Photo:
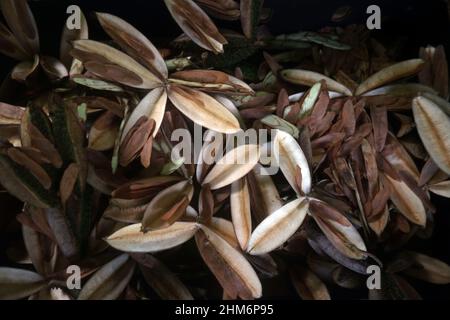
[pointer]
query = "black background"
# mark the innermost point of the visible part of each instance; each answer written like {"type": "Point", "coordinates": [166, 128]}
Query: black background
{"type": "Point", "coordinates": [416, 23]}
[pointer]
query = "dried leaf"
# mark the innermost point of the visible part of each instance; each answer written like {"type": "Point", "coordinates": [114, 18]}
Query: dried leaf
{"type": "Point", "coordinates": [428, 269]}
{"type": "Point", "coordinates": [232, 166]}
{"type": "Point", "coordinates": [111, 64]}
{"type": "Point", "coordinates": [20, 19]}
{"type": "Point", "coordinates": [132, 239]}
{"type": "Point", "coordinates": [240, 211]}
{"type": "Point", "coordinates": [308, 285]}
{"type": "Point", "coordinates": [196, 24]}
{"type": "Point", "coordinates": [344, 237]}
{"type": "Point", "coordinates": [390, 74]}
{"type": "Point", "coordinates": [441, 188]}
{"type": "Point", "coordinates": [61, 228]}
{"type": "Point", "coordinates": [406, 201]}
{"type": "Point", "coordinates": [67, 37]}
{"type": "Point", "coordinates": [225, 230]}
{"type": "Point", "coordinates": [18, 283]}
{"type": "Point", "coordinates": [103, 133]}
{"type": "Point", "coordinates": [211, 81]}
{"type": "Point", "coordinates": [10, 114]}
{"type": "Point", "coordinates": [23, 188]}
{"type": "Point", "coordinates": [277, 228]}
{"type": "Point", "coordinates": [230, 267]}
{"type": "Point", "coordinates": [276, 122]}
{"type": "Point", "coordinates": [10, 46]}
{"type": "Point", "coordinates": [143, 187]}
{"type": "Point", "coordinates": [29, 164]}
{"type": "Point", "coordinates": [53, 68]}
{"type": "Point", "coordinates": [434, 130]}
{"type": "Point", "coordinates": [96, 84]}
{"type": "Point", "coordinates": [250, 16]}
{"type": "Point", "coordinates": [203, 109]}
{"type": "Point", "coordinates": [134, 43]}
{"type": "Point", "coordinates": [68, 181]}
{"type": "Point", "coordinates": [167, 206]}
{"type": "Point", "coordinates": [380, 126]}
{"type": "Point", "coordinates": [152, 106]}
{"type": "Point", "coordinates": [135, 140]}
{"type": "Point", "coordinates": [290, 156]}
{"type": "Point", "coordinates": [165, 283]}
{"type": "Point", "coordinates": [109, 281]}
{"type": "Point", "coordinates": [310, 78]}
